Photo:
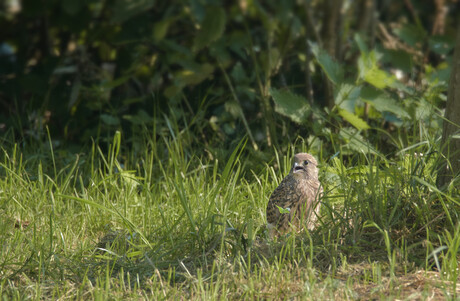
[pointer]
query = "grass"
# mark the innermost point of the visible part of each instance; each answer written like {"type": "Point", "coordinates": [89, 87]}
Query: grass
{"type": "Point", "coordinates": [165, 224]}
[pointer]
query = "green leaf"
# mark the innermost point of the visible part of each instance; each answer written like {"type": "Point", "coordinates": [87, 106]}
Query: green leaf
{"type": "Point", "coordinates": [354, 120]}
{"type": "Point", "coordinates": [193, 77]}
{"type": "Point", "coordinates": [371, 73]}
{"type": "Point", "coordinates": [333, 70]}
{"type": "Point", "coordinates": [378, 78]}
{"type": "Point", "coordinates": [238, 74]}
{"type": "Point", "coordinates": [233, 107]}
{"type": "Point", "coordinates": [211, 29]}
{"type": "Point", "coordinates": [384, 103]}
{"type": "Point", "coordinates": [290, 105]}
{"type": "Point", "coordinates": [160, 29]}
{"type": "Point", "coordinates": [270, 60]}
{"type": "Point", "coordinates": [347, 96]}
{"type": "Point", "coordinates": [361, 44]}
{"type": "Point", "coordinates": [283, 210]}
{"type": "Point", "coordinates": [109, 119]}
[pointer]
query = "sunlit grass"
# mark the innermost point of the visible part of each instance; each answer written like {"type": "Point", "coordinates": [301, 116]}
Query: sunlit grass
{"type": "Point", "coordinates": [167, 224]}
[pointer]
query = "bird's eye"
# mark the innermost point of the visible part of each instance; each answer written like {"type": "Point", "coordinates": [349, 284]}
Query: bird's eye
{"type": "Point", "coordinates": [305, 162]}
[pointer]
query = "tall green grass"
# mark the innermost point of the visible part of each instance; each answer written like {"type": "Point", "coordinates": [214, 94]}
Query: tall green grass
{"type": "Point", "coordinates": [164, 223]}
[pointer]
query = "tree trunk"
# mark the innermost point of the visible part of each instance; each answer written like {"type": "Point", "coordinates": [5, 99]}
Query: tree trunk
{"type": "Point", "coordinates": [331, 33]}
{"type": "Point", "coordinates": [449, 165]}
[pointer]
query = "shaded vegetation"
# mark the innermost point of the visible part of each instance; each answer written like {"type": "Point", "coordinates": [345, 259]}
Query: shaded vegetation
{"type": "Point", "coordinates": [223, 70]}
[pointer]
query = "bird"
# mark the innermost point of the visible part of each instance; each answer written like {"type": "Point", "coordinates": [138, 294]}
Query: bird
{"type": "Point", "coordinates": [296, 200]}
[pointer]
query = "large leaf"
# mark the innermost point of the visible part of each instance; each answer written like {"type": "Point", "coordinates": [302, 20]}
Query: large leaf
{"type": "Point", "coordinates": [211, 29]}
{"type": "Point", "coordinates": [333, 70]}
{"type": "Point", "coordinates": [290, 105]}
{"type": "Point", "coordinates": [371, 73]}
{"type": "Point", "coordinates": [386, 104]}
{"type": "Point", "coordinates": [347, 96]}
{"type": "Point", "coordinates": [354, 120]}
{"type": "Point", "coordinates": [378, 78]}
{"type": "Point", "coordinates": [270, 60]}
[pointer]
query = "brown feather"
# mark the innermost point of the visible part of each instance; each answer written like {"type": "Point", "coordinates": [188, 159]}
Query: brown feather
{"type": "Point", "coordinates": [300, 191]}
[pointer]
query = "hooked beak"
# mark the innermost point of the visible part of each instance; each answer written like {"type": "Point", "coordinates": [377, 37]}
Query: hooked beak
{"type": "Point", "coordinates": [298, 167]}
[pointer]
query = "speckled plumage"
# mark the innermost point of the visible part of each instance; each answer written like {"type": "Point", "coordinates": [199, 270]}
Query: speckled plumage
{"type": "Point", "coordinates": [299, 192]}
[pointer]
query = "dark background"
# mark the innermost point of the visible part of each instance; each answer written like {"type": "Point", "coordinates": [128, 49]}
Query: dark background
{"type": "Point", "coordinates": [269, 70]}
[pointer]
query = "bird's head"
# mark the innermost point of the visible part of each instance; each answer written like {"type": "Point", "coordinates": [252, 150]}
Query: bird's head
{"type": "Point", "coordinates": [304, 167]}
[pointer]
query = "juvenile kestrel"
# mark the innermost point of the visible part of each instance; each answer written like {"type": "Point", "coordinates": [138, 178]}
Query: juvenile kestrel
{"type": "Point", "coordinates": [297, 199]}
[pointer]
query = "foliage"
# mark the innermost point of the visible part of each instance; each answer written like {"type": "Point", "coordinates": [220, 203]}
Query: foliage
{"type": "Point", "coordinates": [86, 70]}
